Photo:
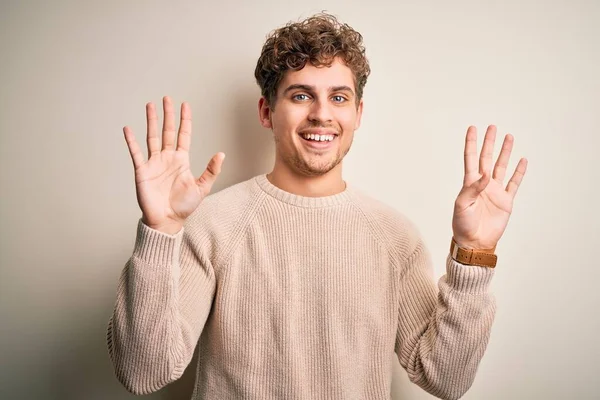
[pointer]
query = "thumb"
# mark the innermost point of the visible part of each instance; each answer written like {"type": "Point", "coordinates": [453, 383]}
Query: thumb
{"type": "Point", "coordinates": [478, 186]}
{"type": "Point", "coordinates": [212, 171]}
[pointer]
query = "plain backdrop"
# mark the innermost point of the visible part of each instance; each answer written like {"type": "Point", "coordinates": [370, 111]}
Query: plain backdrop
{"type": "Point", "coordinates": [73, 73]}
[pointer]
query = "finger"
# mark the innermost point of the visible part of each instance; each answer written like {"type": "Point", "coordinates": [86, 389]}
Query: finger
{"type": "Point", "coordinates": [515, 181]}
{"type": "Point", "coordinates": [168, 138]}
{"type": "Point", "coordinates": [134, 148]}
{"type": "Point", "coordinates": [502, 163]}
{"type": "Point", "coordinates": [487, 150]}
{"type": "Point", "coordinates": [213, 169]}
{"type": "Point", "coordinates": [184, 137]}
{"type": "Point", "coordinates": [470, 153]}
{"type": "Point", "coordinates": [152, 140]}
{"type": "Point", "coordinates": [483, 182]}
{"type": "Point", "coordinates": [470, 193]}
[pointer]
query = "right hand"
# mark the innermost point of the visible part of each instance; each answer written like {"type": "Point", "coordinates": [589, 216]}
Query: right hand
{"type": "Point", "coordinates": [166, 189]}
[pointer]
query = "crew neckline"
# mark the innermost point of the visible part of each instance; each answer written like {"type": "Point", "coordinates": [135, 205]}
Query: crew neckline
{"type": "Point", "coordinates": [302, 201]}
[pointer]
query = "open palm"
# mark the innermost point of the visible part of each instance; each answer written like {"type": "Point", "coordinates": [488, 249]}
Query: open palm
{"type": "Point", "coordinates": [166, 189]}
{"type": "Point", "coordinates": [483, 206]}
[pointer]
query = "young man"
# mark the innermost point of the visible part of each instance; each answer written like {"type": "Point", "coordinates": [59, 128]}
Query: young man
{"type": "Point", "coordinates": [294, 284]}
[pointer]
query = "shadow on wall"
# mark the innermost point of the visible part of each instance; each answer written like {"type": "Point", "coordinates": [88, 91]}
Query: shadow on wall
{"type": "Point", "coordinates": [252, 150]}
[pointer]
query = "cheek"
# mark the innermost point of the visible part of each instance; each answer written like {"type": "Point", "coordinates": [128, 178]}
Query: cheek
{"type": "Point", "coordinates": [347, 120]}
{"type": "Point", "coordinates": [288, 121]}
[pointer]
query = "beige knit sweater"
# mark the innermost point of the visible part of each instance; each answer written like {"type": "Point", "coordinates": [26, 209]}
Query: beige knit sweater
{"type": "Point", "coordinates": [292, 297]}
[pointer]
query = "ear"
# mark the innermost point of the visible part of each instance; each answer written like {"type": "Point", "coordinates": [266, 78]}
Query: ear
{"type": "Point", "coordinates": [264, 113]}
{"type": "Point", "coordinates": [358, 114]}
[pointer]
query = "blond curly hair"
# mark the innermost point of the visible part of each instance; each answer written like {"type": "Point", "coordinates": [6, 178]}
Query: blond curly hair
{"type": "Point", "coordinates": [318, 39]}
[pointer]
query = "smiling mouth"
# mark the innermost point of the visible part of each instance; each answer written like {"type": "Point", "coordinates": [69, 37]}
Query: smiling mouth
{"type": "Point", "coordinates": [318, 142]}
{"type": "Point", "coordinates": [317, 138]}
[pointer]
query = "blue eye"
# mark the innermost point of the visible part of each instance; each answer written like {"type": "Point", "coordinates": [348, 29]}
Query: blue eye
{"type": "Point", "coordinates": [299, 97]}
{"type": "Point", "coordinates": [339, 99]}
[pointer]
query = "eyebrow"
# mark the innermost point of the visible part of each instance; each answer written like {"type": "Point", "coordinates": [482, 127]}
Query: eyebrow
{"type": "Point", "coordinates": [309, 88]}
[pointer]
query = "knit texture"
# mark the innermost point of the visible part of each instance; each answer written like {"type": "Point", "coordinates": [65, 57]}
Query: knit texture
{"type": "Point", "coordinates": [291, 297]}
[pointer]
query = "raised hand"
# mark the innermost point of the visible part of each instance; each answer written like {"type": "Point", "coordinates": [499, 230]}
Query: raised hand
{"type": "Point", "coordinates": [166, 189]}
{"type": "Point", "coordinates": [483, 206]}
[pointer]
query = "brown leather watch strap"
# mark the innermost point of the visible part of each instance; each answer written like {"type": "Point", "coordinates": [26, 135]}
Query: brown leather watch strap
{"type": "Point", "coordinates": [482, 258]}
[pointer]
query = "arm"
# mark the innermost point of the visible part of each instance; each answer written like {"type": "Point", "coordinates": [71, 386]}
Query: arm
{"type": "Point", "coordinates": [442, 334]}
{"type": "Point", "coordinates": [164, 297]}
{"type": "Point", "coordinates": [166, 288]}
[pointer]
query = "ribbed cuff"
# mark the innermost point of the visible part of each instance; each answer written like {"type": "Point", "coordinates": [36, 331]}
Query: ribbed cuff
{"type": "Point", "coordinates": [155, 247]}
{"type": "Point", "coordinates": [468, 278]}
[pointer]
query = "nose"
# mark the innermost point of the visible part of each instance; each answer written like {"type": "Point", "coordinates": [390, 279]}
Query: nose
{"type": "Point", "coordinates": [320, 111]}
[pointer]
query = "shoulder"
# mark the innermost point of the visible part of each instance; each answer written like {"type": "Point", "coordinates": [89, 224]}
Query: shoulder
{"type": "Point", "coordinates": [230, 201]}
{"type": "Point", "coordinates": [394, 228]}
{"type": "Point", "coordinates": [222, 216]}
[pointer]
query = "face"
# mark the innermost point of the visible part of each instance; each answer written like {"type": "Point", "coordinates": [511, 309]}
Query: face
{"type": "Point", "coordinates": [314, 118]}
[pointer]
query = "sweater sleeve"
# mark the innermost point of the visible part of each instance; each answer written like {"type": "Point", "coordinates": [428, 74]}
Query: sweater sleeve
{"type": "Point", "coordinates": [442, 334]}
{"type": "Point", "coordinates": [164, 296]}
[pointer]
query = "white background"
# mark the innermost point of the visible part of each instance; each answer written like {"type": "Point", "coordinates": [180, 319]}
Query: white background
{"type": "Point", "coordinates": [74, 73]}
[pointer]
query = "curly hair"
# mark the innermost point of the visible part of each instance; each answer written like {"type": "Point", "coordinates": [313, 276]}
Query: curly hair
{"type": "Point", "coordinates": [319, 40]}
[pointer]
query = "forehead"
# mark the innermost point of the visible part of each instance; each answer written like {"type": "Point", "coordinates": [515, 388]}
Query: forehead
{"type": "Point", "coordinates": [338, 74]}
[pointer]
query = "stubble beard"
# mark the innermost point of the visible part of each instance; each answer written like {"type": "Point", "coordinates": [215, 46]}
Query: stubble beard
{"type": "Point", "coordinates": [313, 165]}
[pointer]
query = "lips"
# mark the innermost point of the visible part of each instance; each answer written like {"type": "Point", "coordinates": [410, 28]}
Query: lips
{"type": "Point", "coordinates": [321, 145]}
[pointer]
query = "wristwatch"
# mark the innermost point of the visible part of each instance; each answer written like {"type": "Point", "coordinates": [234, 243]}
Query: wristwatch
{"type": "Point", "coordinates": [479, 257]}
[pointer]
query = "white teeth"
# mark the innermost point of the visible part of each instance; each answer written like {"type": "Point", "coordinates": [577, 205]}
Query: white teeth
{"type": "Point", "coordinates": [318, 138]}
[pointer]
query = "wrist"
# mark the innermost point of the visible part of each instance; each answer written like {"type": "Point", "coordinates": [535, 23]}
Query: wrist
{"type": "Point", "coordinates": [170, 228]}
{"type": "Point", "coordinates": [479, 257]}
{"type": "Point", "coordinates": [474, 246]}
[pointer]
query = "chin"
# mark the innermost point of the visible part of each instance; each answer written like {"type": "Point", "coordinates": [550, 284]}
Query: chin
{"type": "Point", "coordinates": [308, 168]}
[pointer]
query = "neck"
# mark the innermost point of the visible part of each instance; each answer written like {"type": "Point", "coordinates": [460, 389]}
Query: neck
{"type": "Point", "coordinates": [328, 184]}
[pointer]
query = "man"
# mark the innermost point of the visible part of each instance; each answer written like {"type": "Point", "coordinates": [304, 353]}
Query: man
{"type": "Point", "coordinates": [294, 284]}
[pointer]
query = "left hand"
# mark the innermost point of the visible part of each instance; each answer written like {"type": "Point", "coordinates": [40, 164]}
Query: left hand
{"type": "Point", "coordinates": [483, 206]}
